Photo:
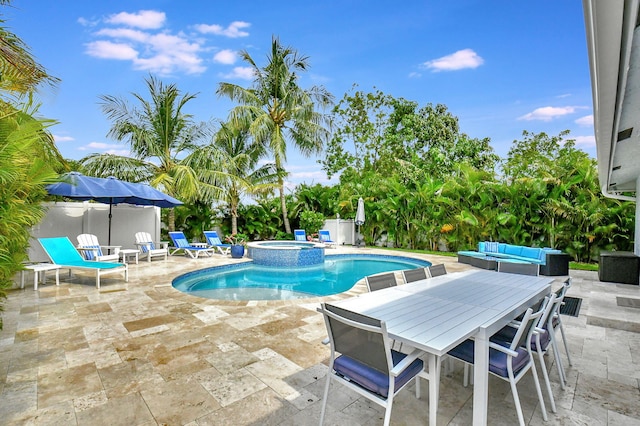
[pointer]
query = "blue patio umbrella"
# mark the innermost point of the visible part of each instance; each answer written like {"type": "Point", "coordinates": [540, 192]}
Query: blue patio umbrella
{"type": "Point", "coordinates": [110, 191]}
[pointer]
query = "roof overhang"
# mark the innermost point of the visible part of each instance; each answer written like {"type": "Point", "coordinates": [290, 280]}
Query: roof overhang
{"type": "Point", "coordinates": [613, 42]}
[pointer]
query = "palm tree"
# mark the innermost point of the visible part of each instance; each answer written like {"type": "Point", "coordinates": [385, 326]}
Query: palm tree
{"type": "Point", "coordinates": [21, 73]}
{"type": "Point", "coordinates": [28, 154]}
{"type": "Point", "coordinates": [240, 158]}
{"type": "Point", "coordinates": [277, 109]}
{"type": "Point", "coordinates": [162, 139]}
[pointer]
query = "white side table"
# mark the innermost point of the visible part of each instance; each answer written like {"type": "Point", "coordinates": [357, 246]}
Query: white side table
{"type": "Point", "coordinates": [37, 268]}
{"type": "Point", "coordinates": [128, 252]}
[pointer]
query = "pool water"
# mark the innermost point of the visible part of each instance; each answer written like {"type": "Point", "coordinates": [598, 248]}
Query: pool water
{"type": "Point", "coordinates": [247, 281]}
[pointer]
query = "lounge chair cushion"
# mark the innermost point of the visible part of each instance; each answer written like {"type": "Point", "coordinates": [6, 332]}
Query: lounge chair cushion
{"type": "Point", "coordinates": [182, 242]}
{"type": "Point", "coordinates": [374, 380]}
{"type": "Point", "coordinates": [91, 254]}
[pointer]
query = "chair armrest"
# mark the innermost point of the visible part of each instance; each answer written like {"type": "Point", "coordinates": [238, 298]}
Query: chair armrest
{"type": "Point", "coordinates": [402, 365]}
{"type": "Point", "coordinates": [502, 349]}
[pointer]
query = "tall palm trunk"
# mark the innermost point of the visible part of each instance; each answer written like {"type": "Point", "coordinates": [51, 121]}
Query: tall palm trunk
{"type": "Point", "coordinates": [283, 206]}
{"type": "Point", "coordinates": [172, 220]}
{"type": "Point", "coordinates": [234, 217]}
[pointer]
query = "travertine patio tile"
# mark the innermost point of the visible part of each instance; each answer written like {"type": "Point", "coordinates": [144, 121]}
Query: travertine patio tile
{"type": "Point", "coordinates": [178, 401]}
{"type": "Point", "coordinates": [67, 384]}
{"type": "Point", "coordinates": [19, 400]}
{"type": "Point", "coordinates": [263, 407]}
{"type": "Point", "coordinates": [232, 360]}
{"type": "Point", "coordinates": [232, 387]}
{"type": "Point", "coordinates": [59, 414]}
{"type": "Point", "coordinates": [120, 411]}
{"type": "Point", "coordinates": [609, 395]}
{"type": "Point", "coordinates": [90, 400]}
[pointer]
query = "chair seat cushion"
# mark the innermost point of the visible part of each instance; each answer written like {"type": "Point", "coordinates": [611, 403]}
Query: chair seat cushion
{"type": "Point", "coordinates": [508, 333]}
{"type": "Point", "coordinates": [497, 360]}
{"type": "Point", "coordinates": [372, 379]}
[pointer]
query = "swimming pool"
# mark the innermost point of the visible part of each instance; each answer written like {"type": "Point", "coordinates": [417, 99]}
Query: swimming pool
{"type": "Point", "coordinates": [247, 281]}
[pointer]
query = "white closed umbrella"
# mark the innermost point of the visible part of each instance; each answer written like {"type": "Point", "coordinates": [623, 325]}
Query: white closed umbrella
{"type": "Point", "coordinates": [360, 220]}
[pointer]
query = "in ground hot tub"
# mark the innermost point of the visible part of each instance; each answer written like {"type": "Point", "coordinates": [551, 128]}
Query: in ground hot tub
{"type": "Point", "coordinates": [286, 253]}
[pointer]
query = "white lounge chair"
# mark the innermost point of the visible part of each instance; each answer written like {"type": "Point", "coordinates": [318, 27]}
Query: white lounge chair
{"type": "Point", "coordinates": [148, 247]}
{"type": "Point", "coordinates": [91, 249]}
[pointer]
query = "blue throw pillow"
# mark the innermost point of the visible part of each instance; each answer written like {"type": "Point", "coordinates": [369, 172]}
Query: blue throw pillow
{"type": "Point", "coordinates": [492, 247]}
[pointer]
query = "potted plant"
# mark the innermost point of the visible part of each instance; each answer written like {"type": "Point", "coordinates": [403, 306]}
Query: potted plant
{"type": "Point", "coordinates": [237, 242]}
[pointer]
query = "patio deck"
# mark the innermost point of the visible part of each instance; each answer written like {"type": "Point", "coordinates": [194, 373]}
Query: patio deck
{"type": "Point", "coordinates": [142, 353]}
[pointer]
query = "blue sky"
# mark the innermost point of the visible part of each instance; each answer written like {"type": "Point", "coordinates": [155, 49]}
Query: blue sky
{"type": "Point", "coordinates": [500, 66]}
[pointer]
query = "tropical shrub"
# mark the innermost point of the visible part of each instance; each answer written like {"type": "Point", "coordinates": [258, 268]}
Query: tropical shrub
{"type": "Point", "coordinates": [311, 222]}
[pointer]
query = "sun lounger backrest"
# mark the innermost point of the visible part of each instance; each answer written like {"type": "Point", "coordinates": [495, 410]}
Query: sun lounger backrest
{"type": "Point", "coordinates": [179, 239]}
{"type": "Point", "coordinates": [212, 238]}
{"type": "Point", "coordinates": [60, 250]}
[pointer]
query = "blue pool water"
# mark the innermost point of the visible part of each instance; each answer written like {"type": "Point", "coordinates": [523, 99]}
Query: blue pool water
{"type": "Point", "coordinates": [247, 281]}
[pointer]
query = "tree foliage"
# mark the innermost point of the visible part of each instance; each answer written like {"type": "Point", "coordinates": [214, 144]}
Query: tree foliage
{"type": "Point", "coordinates": [374, 130]}
{"type": "Point", "coordinates": [28, 155]}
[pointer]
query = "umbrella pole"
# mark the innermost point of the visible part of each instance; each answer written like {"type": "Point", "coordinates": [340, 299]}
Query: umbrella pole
{"type": "Point", "coordinates": [109, 240]}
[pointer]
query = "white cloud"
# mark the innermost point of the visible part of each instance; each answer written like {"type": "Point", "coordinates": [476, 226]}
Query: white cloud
{"type": "Point", "coordinates": [547, 113]}
{"type": "Point", "coordinates": [226, 56]}
{"type": "Point", "coordinates": [109, 50]}
{"type": "Point", "coordinates": [105, 148]}
{"type": "Point", "coordinates": [585, 141]}
{"type": "Point", "coordinates": [461, 59]}
{"type": "Point", "coordinates": [163, 53]}
{"type": "Point", "coordinates": [59, 138]}
{"type": "Point", "coordinates": [309, 173]}
{"type": "Point", "coordinates": [415, 75]}
{"type": "Point", "coordinates": [87, 22]}
{"type": "Point", "coordinates": [587, 120]}
{"type": "Point", "coordinates": [124, 33]}
{"type": "Point", "coordinates": [234, 30]}
{"type": "Point", "coordinates": [146, 19]}
{"type": "Point", "coordinates": [244, 73]}
{"type": "Point", "coordinates": [139, 38]}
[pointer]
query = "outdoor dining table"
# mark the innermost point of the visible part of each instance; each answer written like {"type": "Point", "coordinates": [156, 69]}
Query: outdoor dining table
{"type": "Point", "coordinates": [437, 314]}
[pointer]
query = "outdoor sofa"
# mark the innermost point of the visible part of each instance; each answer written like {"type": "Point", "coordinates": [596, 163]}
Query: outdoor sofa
{"type": "Point", "coordinates": [552, 262]}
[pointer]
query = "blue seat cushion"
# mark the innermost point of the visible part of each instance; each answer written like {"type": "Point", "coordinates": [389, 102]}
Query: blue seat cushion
{"type": "Point", "coordinates": [374, 380]}
{"type": "Point", "coordinates": [92, 254]}
{"type": "Point", "coordinates": [508, 333]}
{"type": "Point", "coordinates": [497, 360]}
